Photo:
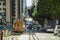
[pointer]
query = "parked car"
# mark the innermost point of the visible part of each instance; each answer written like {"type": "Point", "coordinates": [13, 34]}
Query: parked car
{"type": "Point", "coordinates": [49, 29]}
{"type": "Point", "coordinates": [36, 25]}
{"type": "Point", "coordinates": [43, 29]}
{"type": "Point", "coordinates": [57, 30]}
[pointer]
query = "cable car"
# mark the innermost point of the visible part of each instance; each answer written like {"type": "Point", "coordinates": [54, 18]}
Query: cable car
{"type": "Point", "coordinates": [19, 26]}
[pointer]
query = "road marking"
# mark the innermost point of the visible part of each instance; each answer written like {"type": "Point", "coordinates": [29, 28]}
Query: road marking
{"type": "Point", "coordinates": [53, 37]}
{"type": "Point", "coordinates": [13, 38]}
{"type": "Point", "coordinates": [23, 37]}
{"type": "Point", "coordinates": [33, 37]}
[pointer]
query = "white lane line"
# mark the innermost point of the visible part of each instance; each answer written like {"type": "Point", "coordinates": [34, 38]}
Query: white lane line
{"type": "Point", "coordinates": [13, 38]}
{"type": "Point", "coordinates": [34, 37]}
{"type": "Point", "coordinates": [23, 37]}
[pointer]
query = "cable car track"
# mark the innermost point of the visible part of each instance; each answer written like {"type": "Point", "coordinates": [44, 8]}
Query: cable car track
{"type": "Point", "coordinates": [29, 36]}
{"type": "Point", "coordinates": [33, 35]}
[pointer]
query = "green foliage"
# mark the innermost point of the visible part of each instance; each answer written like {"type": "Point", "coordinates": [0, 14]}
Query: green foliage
{"type": "Point", "coordinates": [48, 7]}
{"type": "Point", "coordinates": [35, 11]}
{"type": "Point", "coordinates": [31, 10]}
{"type": "Point", "coordinates": [36, 24]}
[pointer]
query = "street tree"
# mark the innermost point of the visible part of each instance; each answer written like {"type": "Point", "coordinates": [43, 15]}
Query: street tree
{"type": "Point", "coordinates": [47, 9]}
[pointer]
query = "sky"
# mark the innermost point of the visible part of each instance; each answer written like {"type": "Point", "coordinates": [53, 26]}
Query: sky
{"type": "Point", "coordinates": [29, 3]}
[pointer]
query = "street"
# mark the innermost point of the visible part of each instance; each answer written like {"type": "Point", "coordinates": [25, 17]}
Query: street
{"type": "Point", "coordinates": [32, 36]}
{"type": "Point", "coordinates": [29, 19]}
{"type": "Point", "coordinates": [47, 36]}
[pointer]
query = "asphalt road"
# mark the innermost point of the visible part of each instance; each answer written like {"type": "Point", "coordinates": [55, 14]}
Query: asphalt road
{"type": "Point", "coordinates": [47, 36]}
{"type": "Point", "coordinates": [33, 36]}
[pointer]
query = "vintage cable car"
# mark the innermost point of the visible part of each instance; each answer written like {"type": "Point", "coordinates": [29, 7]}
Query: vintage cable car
{"type": "Point", "coordinates": [19, 26]}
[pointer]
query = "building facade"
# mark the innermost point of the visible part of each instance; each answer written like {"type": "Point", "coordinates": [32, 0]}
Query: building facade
{"type": "Point", "coordinates": [10, 10]}
{"type": "Point", "coordinates": [2, 11]}
{"type": "Point", "coordinates": [34, 2]}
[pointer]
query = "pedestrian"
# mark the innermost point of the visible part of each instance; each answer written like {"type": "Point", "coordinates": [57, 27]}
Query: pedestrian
{"type": "Point", "coordinates": [30, 27]}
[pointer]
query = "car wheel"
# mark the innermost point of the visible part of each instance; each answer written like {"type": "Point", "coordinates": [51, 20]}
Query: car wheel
{"type": "Point", "coordinates": [55, 34]}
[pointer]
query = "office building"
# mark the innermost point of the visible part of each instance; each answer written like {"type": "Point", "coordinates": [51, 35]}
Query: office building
{"type": "Point", "coordinates": [34, 2]}
{"type": "Point", "coordinates": [10, 10]}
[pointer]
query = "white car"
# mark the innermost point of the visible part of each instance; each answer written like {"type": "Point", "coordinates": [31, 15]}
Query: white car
{"type": "Point", "coordinates": [57, 30]}
{"type": "Point", "coordinates": [49, 29]}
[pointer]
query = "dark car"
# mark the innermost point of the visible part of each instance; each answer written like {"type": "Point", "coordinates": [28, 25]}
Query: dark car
{"type": "Point", "coordinates": [30, 26]}
{"type": "Point", "coordinates": [2, 27]}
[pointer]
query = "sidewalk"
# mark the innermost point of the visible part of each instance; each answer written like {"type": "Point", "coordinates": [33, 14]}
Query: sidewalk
{"type": "Point", "coordinates": [10, 38]}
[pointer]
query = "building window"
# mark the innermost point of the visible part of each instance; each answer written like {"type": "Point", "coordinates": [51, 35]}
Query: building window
{"type": "Point", "coordinates": [0, 8]}
{"type": "Point", "coordinates": [0, 3]}
{"type": "Point", "coordinates": [2, 0]}
{"type": "Point", "coordinates": [4, 3]}
{"type": "Point", "coordinates": [4, 14]}
{"type": "Point", "coordinates": [4, 8]}
{"type": "Point", "coordinates": [0, 13]}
